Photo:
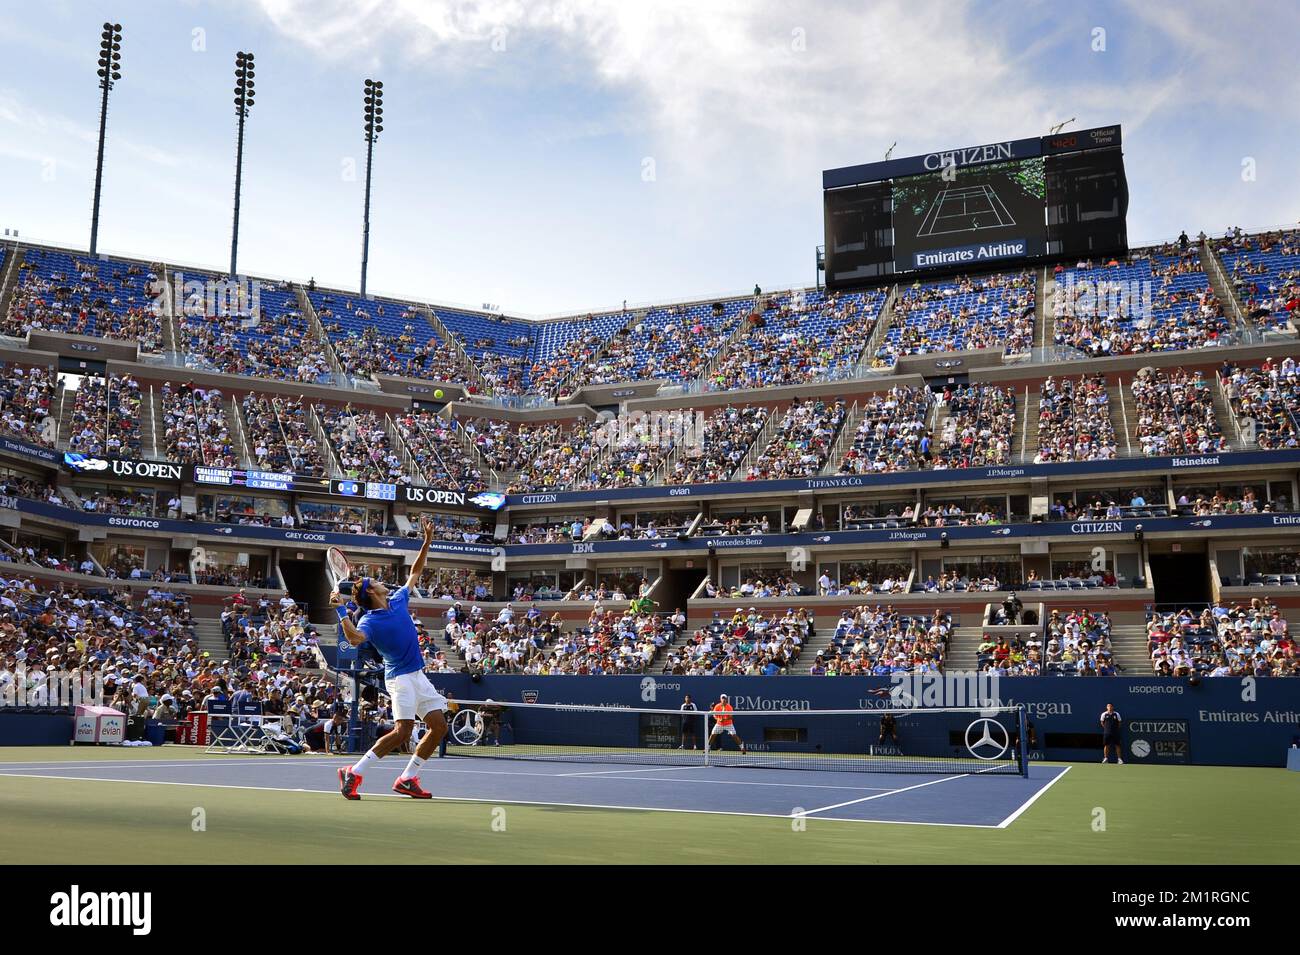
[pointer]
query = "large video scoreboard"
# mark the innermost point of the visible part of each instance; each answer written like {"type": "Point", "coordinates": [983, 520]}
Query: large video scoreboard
{"type": "Point", "coordinates": [958, 209]}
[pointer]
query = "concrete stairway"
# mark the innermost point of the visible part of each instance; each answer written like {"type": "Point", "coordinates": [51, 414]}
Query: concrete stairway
{"type": "Point", "coordinates": [962, 647]}
{"type": "Point", "coordinates": [1129, 646]}
{"type": "Point", "coordinates": [1233, 308]}
{"type": "Point", "coordinates": [317, 333]}
{"type": "Point", "coordinates": [152, 428]}
{"type": "Point", "coordinates": [65, 404]}
{"type": "Point", "coordinates": [1223, 415]}
{"type": "Point", "coordinates": [1043, 312]}
{"type": "Point", "coordinates": [818, 644]}
{"type": "Point", "coordinates": [467, 364]}
{"type": "Point", "coordinates": [844, 440]}
{"type": "Point", "coordinates": [1028, 418]}
{"type": "Point", "coordinates": [1119, 410]}
{"type": "Point", "coordinates": [208, 635]}
{"type": "Point", "coordinates": [9, 276]}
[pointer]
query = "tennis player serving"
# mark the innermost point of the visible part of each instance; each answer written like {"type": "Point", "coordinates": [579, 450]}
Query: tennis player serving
{"type": "Point", "coordinates": [383, 618]}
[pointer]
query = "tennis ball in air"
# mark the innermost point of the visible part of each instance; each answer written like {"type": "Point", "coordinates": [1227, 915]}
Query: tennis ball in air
{"type": "Point", "coordinates": [438, 393]}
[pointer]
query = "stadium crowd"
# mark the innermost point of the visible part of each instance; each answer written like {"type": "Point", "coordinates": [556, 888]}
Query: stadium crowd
{"type": "Point", "coordinates": [27, 401]}
{"type": "Point", "coordinates": [96, 297]}
{"type": "Point", "coordinates": [279, 435]}
{"type": "Point", "coordinates": [1240, 640]}
{"type": "Point", "coordinates": [802, 441]}
{"type": "Point", "coordinates": [195, 426]}
{"type": "Point", "coordinates": [1175, 413]}
{"type": "Point", "coordinates": [993, 311]}
{"type": "Point", "coordinates": [441, 458]}
{"type": "Point", "coordinates": [893, 433]}
{"type": "Point", "coordinates": [979, 426]}
{"type": "Point", "coordinates": [1268, 397]}
{"type": "Point", "coordinates": [729, 433]}
{"type": "Point", "coordinates": [878, 641]}
{"type": "Point", "coordinates": [361, 442]}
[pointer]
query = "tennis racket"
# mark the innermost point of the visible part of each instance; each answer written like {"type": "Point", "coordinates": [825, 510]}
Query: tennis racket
{"type": "Point", "coordinates": [339, 569]}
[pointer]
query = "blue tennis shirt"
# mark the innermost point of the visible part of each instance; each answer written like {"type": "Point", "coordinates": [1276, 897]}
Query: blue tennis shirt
{"type": "Point", "coordinates": [392, 632]}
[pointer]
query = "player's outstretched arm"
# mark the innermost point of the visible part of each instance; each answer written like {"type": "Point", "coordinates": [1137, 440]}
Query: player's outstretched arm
{"type": "Point", "coordinates": [417, 569]}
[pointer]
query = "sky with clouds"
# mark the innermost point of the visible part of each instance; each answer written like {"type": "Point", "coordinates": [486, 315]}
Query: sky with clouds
{"type": "Point", "coordinates": [559, 157]}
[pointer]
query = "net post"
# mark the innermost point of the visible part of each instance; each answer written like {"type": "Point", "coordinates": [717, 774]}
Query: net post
{"type": "Point", "coordinates": [354, 715]}
{"type": "Point", "coordinates": [706, 737]}
{"type": "Point", "coordinates": [1023, 719]}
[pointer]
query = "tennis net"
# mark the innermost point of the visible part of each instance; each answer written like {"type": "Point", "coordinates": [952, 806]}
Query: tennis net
{"type": "Point", "coordinates": [920, 740]}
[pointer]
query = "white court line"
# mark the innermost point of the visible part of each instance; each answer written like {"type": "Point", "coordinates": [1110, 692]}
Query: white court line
{"type": "Point", "coordinates": [740, 782]}
{"type": "Point", "coordinates": [213, 760]}
{"type": "Point", "coordinates": [517, 802]}
{"type": "Point", "coordinates": [1032, 799]}
{"type": "Point", "coordinates": [614, 774]}
{"type": "Point", "coordinates": [890, 792]}
{"type": "Point", "coordinates": [628, 772]}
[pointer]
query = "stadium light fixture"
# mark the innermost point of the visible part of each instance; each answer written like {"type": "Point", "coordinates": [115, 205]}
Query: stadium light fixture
{"type": "Point", "coordinates": [373, 125]}
{"type": "Point", "coordinates": [110, 70]}
{"type": "Point", "coordinates": [244, 90]}
{"type": "Point", "coordinates": [1060, 126]}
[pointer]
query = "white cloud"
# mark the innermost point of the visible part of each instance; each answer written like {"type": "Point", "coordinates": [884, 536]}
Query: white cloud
{"type": "Point", "coordinates": [792, 85]}
{"type": "Point", "coordinates": [783, 82]}
{"type": "Point", "coordinates": [55, 136]}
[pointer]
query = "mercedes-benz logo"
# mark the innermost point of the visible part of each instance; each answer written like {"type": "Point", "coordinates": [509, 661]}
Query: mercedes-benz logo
{"type": "Point", "coordinates": [990, 731]}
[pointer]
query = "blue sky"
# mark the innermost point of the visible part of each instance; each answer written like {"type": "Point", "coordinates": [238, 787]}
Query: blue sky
{"type": "Point", "coordinates": [556, 157]}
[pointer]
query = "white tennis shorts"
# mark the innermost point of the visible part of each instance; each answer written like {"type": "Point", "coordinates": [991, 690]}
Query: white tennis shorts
{"type": "Point", "coordinates": [719, 728]}
{"type": "Point", "coordinates": [413, 696]}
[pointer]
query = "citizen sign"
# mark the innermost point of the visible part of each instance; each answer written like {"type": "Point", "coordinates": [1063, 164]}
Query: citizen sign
{"type": "Point", "coordinates": [966, 157]}
{"type": "Point", "coordinates": [1096, 527]}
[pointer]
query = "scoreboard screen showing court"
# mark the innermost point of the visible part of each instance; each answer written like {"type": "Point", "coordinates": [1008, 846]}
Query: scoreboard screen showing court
{"type": "Point", "coordinates": [958, 209]}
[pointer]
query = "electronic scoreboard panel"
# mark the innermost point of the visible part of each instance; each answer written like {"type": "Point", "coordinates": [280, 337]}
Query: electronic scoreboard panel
{"type": "Point", "coordinates": [959, 209]}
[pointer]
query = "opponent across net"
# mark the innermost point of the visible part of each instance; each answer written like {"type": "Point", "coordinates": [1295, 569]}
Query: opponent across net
{"type": "Point", "coordinates": [922, 740]}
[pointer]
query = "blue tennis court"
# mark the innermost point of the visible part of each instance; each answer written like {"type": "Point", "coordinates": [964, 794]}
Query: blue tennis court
{"type": "Point", "coordinates": [958, 799]}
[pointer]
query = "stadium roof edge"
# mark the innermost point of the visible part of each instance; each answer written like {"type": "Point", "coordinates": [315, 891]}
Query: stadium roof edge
{"type": "Point", "coordinates": [398, 298]}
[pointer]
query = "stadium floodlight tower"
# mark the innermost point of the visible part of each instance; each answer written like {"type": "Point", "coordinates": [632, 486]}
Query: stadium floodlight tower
{"type": "Point", "coordinates": [110, 62]}
{"type": "Point", "coordinates": [243, 105]}
{"type": "Point", "coordinates": [373, 96]}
